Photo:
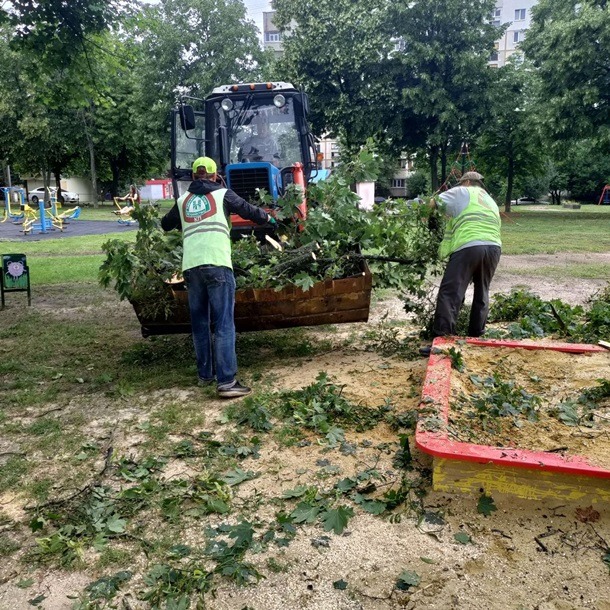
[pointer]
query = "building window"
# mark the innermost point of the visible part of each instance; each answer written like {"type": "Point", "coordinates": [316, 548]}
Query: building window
{"type": "Point", "coordinates": [273, 37]}
{"type": "Point", "coordinates": [518, 36]}
{"type": "Point", "coordinates": [496, 19]}
{"type": "Point", "coordinates": [494, 53]}
{"type": "Point", "coordinates": [398, 183]}
{"type": "Point", "coordinates": [519, 14]}
{"type": "Point", "coordinates": [399, 45]}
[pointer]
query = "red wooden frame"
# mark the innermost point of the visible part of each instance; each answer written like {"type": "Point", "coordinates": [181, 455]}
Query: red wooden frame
{"type": "Point", "coordinates": [436, 390]}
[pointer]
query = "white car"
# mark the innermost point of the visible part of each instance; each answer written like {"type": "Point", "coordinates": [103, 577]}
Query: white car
{"type": "Point", "coordinates": [39, 194]}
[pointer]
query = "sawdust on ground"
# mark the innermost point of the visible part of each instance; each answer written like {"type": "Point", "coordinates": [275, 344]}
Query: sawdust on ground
{"type": "Point", "coordinates": [524, 556]}
{"type": "Point", "coordinates": [555, 378]}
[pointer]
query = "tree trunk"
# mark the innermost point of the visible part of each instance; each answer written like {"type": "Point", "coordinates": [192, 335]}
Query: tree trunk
{"type": "Point", "coordinates": [116, 172]}
{"type": "Point", "coordinates": [57, 172]}
{"type": "Point", "coordinates": [92, 166]}
{"type": "Point", "coordinates": [510, 175]}
{"type": "Point", "coordinates": [433, 152]}
{"type": "Point", "coordinates": [444, 147]}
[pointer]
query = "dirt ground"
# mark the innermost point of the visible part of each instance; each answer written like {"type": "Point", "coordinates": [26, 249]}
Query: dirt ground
{"type": "Point", "coordinates": [527, 555]}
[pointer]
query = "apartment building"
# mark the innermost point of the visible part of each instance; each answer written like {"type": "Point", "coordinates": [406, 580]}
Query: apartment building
{"type": "Point", "coordinates": [272, 37]}
{"type": "Point", "coordinates": [517, 13]}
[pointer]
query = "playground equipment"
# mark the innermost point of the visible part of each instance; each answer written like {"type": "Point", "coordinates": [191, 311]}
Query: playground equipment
{"type": "Point", "coordinates": [124, 212]}
{"type": "Point", "coordinates": [66, 215]}
{"type": "Point", "coordinates": [42, 222]}
{"type": "Point", "coordinates": [15, 275]}
{"type": "Point", "coordinates": [9, 193]}
{"type": "Point", "coordinates": [604, 198]}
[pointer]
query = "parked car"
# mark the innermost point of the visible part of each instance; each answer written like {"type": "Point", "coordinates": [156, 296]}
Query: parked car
{"type": "Point", "coordinates": [38, 194]}
{"type": "Point", "coordinates": [525, 201]}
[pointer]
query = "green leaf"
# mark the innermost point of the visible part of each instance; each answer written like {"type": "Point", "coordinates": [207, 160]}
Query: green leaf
{"type": "Point", "coordinates": [116, 525]}
{"type": "Point", "coordinates": [304, 281]}
{"type": "Point", "coordinates": [407, 579]}
{"type": "Point", "coordinates": [25, 583]}
{"type": "Point", "coordinates": [428, 560]}
{"type": "Point", "coordinates": [297, 492]}
{"type": "Point", "coordinates": [374, 507]}
{"type": "Point", "coordinates": [462, 538]}
{"type": "Point", "coordinates": [345, 485]}
{"type": "Point", "coordinates": [237, 476]}
{"type": "Point", "coordinates": [36, 601]}
{"type": "Point", "coordinates": [336, 519]}
{"type": "Point", "coordinates": [486, 505]}
{"type": "Point", "coordinates": [305, 513]}
{"type": "Point", "coordinates": [341, 585]}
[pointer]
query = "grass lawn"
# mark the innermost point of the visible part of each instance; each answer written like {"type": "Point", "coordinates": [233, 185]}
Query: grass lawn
{"type": "Point", "coordinates": [548, 232]}
{"type": "Point", "coordinates": [117, 469]}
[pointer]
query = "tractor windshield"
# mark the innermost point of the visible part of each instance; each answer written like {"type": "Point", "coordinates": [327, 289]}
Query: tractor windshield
{"type": "Point", "coordinates": [259, 131]}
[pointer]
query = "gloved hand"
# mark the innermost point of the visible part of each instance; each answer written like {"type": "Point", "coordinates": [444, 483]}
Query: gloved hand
{"type": "Point", "coordinates": [271, 220]}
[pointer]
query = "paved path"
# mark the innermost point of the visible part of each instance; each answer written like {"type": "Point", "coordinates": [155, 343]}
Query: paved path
{"type": "Point", "coordinates": [12, 232]}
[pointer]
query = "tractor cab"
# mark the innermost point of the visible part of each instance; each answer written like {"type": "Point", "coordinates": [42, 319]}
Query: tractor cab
{"type": "Point", "coordinates": [257, 134]}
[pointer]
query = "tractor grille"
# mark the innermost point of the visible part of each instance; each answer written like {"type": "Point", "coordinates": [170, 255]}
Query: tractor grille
{"type": "Point", "coordinates": [245, 181]}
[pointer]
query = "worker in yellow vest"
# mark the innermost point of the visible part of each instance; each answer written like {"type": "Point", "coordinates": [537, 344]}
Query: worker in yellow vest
{"type": "Point", "coordinates": [473, 244]}
{"type": "Point", "coordinates": [203, 215]}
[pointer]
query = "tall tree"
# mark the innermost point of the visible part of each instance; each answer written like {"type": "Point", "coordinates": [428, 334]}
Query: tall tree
{"type": "Point", "coordinates": [56, 30]}
{"type": "Point", "coordinates": [569, 43]}
{"type": "Point", "coordinates": [510, 145]}
{"type": "Point", "coordinates": [444, 78]}
{"type": "Point", "coordinates": [337, 50]}
{"type": "Point", "coordinates": [408, 74]}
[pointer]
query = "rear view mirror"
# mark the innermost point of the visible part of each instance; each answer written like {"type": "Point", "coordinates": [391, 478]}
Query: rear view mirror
{"type": "Point", "coordinates": [187, 117]}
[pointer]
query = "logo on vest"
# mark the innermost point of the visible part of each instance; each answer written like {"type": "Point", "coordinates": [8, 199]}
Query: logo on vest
{"type": "Point", "coordinates": [198, 207]}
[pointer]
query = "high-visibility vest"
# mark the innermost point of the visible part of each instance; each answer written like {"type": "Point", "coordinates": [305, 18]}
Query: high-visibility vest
{"type": "Point", "coordinates": [206, 233]}
{"type": "Point", "coordinates": [479, 221]}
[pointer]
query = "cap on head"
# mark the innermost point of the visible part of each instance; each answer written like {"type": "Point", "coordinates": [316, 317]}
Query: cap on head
{"type": "Point", "coordinates": [208, 164]}
{"type": "Point", "coordinates": [471, 176]}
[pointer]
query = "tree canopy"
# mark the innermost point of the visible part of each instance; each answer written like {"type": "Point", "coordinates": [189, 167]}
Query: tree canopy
{"type": "Point", "coordinates": [569, 43]}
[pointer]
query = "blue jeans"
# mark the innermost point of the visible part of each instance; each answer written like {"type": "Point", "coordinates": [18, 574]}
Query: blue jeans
{"type": "Point", "coordinates": [211, 294]}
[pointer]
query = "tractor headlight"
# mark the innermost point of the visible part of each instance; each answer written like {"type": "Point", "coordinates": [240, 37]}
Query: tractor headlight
{"type": "Point", "coordinates": [279, 101]}
{"type": "Point", "coordinates": [227, 104]}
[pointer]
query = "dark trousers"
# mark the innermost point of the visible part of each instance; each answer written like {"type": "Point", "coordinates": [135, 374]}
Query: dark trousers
{"type": "Point", "coordinates": [475, 264]}
{"type": "Point", "coordinates": [211, 293]}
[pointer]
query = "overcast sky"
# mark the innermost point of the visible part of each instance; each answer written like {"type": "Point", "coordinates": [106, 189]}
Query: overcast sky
{"type": "Point", "coordinates": [255, 9]}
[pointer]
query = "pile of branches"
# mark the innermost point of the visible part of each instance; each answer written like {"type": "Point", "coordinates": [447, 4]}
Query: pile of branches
{"type": "Point", "coordinates": [333, 242]}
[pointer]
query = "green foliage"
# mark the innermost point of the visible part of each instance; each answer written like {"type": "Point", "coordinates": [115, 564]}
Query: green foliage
{"type": "Point", "coordinates": [139, 270]}
{"type": "Point", "coordinates": [500, 398]}
{"type": "Point", "coordinates": [511, 142]}
{"type": "Point", "coordinates": [321, 405]}
{"type": "Point", "coordinates": [457, 359]}
{"type": "Point", "coordinates": [581, 410]}
{"type": "Point", "coordinates": [417, 184]}
{"type": "Point", "coordinates": [253, 412]}
{"type": "Point", "coordinates": [566, 41]}
{"type": "Point", "coordinates": [532, 316]}
{"type": "Point", "coordinates": [407, 579]}
{"type": "Point", "coordinates": [486, 505]}
{"type": "Point", "coordinates": [102, 590]}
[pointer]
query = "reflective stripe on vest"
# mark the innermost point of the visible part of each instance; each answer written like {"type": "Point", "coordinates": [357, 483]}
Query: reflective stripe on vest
{"type": "Point", "coordinates": [206, 234]}
{"type": "Point", "coordinates": [479, 221]}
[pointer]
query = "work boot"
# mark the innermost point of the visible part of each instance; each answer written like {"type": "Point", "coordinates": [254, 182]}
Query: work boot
{"type": "Point", "coordinates": [233, 390]}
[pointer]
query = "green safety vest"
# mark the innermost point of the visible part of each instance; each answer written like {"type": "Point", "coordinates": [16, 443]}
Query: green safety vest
{"type": "Point", "coordinates": [479, 221]}
{"type": "Point", "coordinates": [206, 233]}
